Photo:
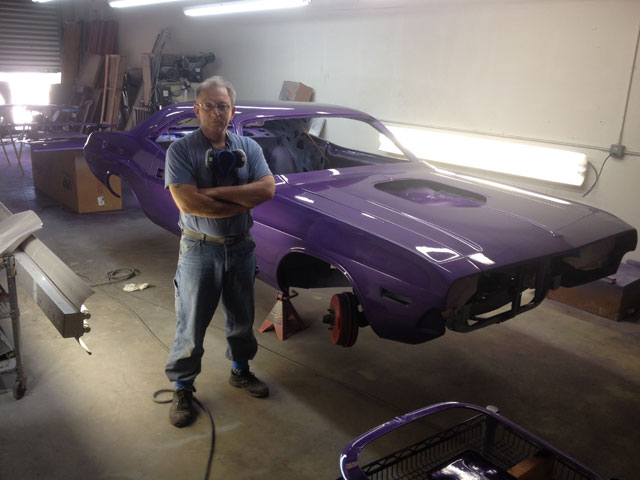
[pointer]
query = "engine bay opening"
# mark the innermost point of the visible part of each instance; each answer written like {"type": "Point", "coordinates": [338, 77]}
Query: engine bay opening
{"type": "Point", "coordinates": [497, 296]}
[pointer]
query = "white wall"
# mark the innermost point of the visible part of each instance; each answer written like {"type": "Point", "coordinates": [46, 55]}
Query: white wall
{"type": "Point", "coordinates": [553, 70]}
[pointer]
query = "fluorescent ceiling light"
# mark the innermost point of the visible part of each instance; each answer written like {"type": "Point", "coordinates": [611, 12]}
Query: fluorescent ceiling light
{"type": "Point", "coordinates": [243, 6]}
{"type": "Point", "coordinates": [541, 163]}
{"type": "Point", "coordinates": [138, 3]}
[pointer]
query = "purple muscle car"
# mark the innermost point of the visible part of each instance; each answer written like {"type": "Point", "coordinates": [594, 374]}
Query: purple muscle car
{"type": "Point", "coordinates": [415, 247]}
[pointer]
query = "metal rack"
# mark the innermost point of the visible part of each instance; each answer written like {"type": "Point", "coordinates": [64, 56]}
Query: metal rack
{"type": "Point", "coordinates": [9, 309]}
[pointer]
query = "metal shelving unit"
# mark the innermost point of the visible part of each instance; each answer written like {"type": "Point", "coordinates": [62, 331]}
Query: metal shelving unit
{"type": "Point", "coordinates": [12, 363]}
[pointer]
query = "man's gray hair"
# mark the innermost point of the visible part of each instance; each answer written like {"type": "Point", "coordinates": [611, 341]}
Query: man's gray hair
{"type": "Point", "coordinates": [217, 81]}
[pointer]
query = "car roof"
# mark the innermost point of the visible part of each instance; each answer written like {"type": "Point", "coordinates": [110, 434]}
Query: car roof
{"type": "Point", "coordinates": [273, 109]}
{"type": "Point", "coordinates": [251, 110]}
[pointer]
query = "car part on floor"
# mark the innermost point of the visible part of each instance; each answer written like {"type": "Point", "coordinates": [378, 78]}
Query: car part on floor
{"type": "Point", "coordinates": [59, 291]}
{"type": "Point", "coordinates": [481, 447]}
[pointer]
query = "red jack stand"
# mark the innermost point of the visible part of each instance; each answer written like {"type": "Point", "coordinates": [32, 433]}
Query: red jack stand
{"type": "Point", "coordinates": [281, 314]}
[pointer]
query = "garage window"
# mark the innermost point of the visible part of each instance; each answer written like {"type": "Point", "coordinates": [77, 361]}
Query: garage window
{"type": "Point", "coordinates": [29, 37]}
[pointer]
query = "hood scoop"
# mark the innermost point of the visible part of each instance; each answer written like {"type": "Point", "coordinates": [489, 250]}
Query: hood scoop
{"type": "Point", "coordinates": [433, 194]}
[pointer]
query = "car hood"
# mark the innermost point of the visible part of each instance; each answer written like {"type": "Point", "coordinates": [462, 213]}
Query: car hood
{"type": "Point", "coordinates": [446, 216]}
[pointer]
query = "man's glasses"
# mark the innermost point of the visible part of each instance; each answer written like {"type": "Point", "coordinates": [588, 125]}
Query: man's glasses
{"type": "Point", "coordinates": [210, 107]}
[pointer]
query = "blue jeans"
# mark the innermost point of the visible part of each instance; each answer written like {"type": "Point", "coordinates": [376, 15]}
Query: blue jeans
{"type": "Point", "coordinates": [207, 272]}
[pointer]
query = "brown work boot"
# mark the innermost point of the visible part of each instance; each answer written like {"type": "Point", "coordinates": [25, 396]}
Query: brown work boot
{"type": "Point", "coordinates": [182, 412]}
{"type": "Point", "coordinates": [247, 380]}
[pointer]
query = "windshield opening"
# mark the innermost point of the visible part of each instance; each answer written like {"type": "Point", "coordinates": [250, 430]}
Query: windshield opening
{"type": "Point", "coordinates": [318, 143]}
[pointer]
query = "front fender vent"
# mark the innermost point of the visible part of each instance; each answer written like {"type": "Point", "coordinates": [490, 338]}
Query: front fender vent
{"type": "Point", "coordinates": [397, 297]}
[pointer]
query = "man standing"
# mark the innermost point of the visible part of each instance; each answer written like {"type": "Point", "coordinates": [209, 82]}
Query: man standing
{"type": "Point", "coordinates": [215, 178]}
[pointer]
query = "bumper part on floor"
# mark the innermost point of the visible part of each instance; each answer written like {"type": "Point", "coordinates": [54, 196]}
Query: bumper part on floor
{"type": "Point", "coordinates": [59, 291]}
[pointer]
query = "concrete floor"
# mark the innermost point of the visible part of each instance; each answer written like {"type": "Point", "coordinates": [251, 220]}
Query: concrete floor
{"type": "Point", "coordinates": [570, 377]}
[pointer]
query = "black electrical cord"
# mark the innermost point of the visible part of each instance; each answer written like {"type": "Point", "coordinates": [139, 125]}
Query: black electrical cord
{"type": "Point", "coordinates": [140, 319]}
{"type": "Point", "coordinates": [597, 175]}
{"type": "Point", "coordinates": [276, 353]}
{"type": "Point", "coordinates": [119, 275]}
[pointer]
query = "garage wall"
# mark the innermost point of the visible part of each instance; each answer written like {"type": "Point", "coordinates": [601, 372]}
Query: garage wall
{"type": "Point", "coordinates": [548, 70]}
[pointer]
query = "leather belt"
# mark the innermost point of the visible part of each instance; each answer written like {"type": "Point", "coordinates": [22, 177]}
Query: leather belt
{"type": "Point", "coordinates": [208, 238]}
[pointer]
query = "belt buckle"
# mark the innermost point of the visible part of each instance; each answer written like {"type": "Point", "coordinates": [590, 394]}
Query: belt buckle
{"type": "Point", "coordinates": [234, 239]}
{"type": "Point", "coordinates": [231, 240]}
{"type": "Point", "coordinates": [211, 239]}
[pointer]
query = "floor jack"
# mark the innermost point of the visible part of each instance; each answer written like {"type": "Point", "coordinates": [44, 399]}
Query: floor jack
{"type": "Point", "coordinates": [281, 315]}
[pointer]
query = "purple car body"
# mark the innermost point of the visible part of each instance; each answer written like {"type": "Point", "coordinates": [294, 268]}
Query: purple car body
{"type": "Point", "coordinates": [421, 248]}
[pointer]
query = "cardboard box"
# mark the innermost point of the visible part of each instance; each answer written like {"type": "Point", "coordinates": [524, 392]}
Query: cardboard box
{"type": "Point", "coordinates": [65, 176]}
{"type": "Point", "coordinates": [295, 91]}
{"type": "Point", "coordinates": [616, 297]}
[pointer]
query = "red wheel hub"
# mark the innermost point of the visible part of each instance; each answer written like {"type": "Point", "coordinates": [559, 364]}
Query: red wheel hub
{"type": "Point", "coordinates": [344, 309]}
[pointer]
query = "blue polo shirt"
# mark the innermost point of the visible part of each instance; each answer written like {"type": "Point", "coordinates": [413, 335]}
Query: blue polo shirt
{"type": "Point", "coordinates": [185, 163]}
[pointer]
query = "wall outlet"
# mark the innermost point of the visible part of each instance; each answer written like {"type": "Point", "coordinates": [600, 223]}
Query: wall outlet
{"type": "Point", "coordinates": [616, 150]}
